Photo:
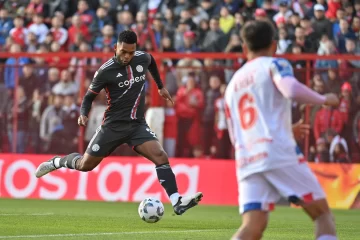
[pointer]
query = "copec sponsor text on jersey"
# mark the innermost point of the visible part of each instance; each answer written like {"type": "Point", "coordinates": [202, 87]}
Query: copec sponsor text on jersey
{"type": "Point", "coordinates": [131, 81]}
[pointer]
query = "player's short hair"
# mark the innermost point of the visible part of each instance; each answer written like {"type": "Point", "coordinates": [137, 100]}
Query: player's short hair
{"type": "Point", "coordinates": [258, 35]}
{"type": "Point", "coordinates": [128, 37]}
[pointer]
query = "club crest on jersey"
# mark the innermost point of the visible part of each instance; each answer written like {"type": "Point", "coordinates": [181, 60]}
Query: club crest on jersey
{"type": "Point", "coordinates": [95, 147]}
{"type": "Point", "coordinates": [139, 68]}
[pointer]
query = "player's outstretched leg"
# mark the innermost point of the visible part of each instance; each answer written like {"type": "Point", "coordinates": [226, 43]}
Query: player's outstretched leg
{"type": "Point", "coordinates": [72, 161]}
{"type": "Point", "coordinates": [153, 151]}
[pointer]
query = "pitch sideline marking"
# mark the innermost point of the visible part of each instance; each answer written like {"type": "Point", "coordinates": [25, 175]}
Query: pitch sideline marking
{"type": "Point", "coordinates": [107, 234]}
{"type": "Point", "coordinates": [26, 214]}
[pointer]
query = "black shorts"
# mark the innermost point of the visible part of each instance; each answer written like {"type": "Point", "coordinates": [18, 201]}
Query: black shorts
{"type": "Point", "coordinates": [106, 140]}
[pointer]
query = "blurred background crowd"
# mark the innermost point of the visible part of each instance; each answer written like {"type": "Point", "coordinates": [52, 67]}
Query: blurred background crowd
{"type": "Point", "coordinates": [48, 88]}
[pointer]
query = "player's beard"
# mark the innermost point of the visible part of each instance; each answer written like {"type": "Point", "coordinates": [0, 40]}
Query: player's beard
{"type": "Point", "coordinates": [124, 63]}
{"type": "Point", "coordinates": [120, 61]}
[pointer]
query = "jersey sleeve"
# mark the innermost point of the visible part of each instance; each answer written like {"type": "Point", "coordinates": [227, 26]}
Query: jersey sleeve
{"type": "Point", "coordinates": [153, 69]}
{"type": "Point", "coordinates": [98, 82]}
{"type": "Point", "coordinates": [284, 80]}
{"type": "Point", "coordinates": [281, 68]}
{"type": "Point", "coordinates": [143, 58]}
{"type": "Point", "coordinates": [148, 58]}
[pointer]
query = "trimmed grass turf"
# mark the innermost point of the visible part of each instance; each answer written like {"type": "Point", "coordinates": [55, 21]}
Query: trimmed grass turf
{"type": "Point", "coordinates": [114, 220]}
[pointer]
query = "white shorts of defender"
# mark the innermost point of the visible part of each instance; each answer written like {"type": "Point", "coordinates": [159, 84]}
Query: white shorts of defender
{"type": "Point", "coordinates": [260, 191]}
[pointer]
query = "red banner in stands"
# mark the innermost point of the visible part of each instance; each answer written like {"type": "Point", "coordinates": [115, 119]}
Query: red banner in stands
{"type": "Point", "coordinates": [132, 179]}
{"type": "Point", "coordinates": [117, 179]}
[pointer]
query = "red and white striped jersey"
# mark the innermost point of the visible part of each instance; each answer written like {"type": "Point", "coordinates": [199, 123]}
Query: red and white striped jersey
{"type": "Point", "coordinates": [259, 117]}
{"type": "Point", "coordinates": [60, 35]}
{"type": "Point", "coordinates": [19, 35]}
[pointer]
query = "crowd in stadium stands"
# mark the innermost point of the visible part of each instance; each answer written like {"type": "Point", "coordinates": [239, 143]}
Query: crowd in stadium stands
{"type": "Point", "coordinates": [48, 99]}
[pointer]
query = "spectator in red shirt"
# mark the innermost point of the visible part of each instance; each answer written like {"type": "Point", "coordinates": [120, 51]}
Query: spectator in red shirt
{"type": "Point", "coordinates": [327, 118]}
{"type": "Point", "coordinates": [86, 15]}
{"type": "Point", "coordinates": [59, 33]}
{"type": "Point", "coordinates": [190, 100]}
{"type": "Point", "coordinates": [78, 28]}
{"type": "Point", "coordinates": [333, 6]}
{"type": "Point", "coordinates": [142, 33]}
{"type": "Point", "coordinates": [260, 14]}
{"type": "Point", "coordinates": [38, 7]}
{"type": "Point", "coordinates": [139, 27]}
{"type": "Point", "coordinates": [347, 110]}
{"type": "Point", "coordinates": [345, 102]}
{"type": "Point", "coordinates": [18, 33]}
{"type": "Point", "coordinates": [59, 62]}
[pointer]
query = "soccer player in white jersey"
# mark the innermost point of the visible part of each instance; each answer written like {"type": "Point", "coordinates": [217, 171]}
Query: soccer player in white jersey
{"type": "Point", "coordinates": [258, 102]}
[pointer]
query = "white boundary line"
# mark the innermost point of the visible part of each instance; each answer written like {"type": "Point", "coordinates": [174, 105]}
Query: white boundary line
{"type": "Point", "coordinates": [107, 234]}
{"type": "Point", "coordinates": [26, 214]}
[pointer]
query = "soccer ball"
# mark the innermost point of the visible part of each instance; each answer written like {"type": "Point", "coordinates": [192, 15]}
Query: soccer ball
{"type": "Point", "coordinates": [151, 210]}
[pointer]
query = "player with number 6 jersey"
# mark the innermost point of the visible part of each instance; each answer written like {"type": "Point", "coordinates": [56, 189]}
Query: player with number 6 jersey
{"type": "Point", "coordinates": [258, 108]}
{"type": "Point", "coordinates": [263, 136]}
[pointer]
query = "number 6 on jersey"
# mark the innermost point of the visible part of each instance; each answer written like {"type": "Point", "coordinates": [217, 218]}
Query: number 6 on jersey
{"type": "Point", "coordinates": [247, 111]}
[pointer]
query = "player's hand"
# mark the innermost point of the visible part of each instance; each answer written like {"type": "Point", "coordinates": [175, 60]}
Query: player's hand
{"type": "Point", "coordinates": [300, 130]}
{"type": "Point", "coordinates": [82, 120]}
{"type": "Point", "coordinates": [332, 100]}
{"type": "Point", "coordinates": [166, 95]}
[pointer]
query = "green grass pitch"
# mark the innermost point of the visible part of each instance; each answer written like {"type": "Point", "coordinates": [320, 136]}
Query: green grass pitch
{"type": "Point", "coordinates": [55, 220]}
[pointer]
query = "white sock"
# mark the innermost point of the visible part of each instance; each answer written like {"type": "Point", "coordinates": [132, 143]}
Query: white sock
{"type": "Point", "coordinates": [327, 237]}
{"type": "Point", "coordinates": [57, 162]}
{"type": "Point", "coordinates": [174, 198]}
